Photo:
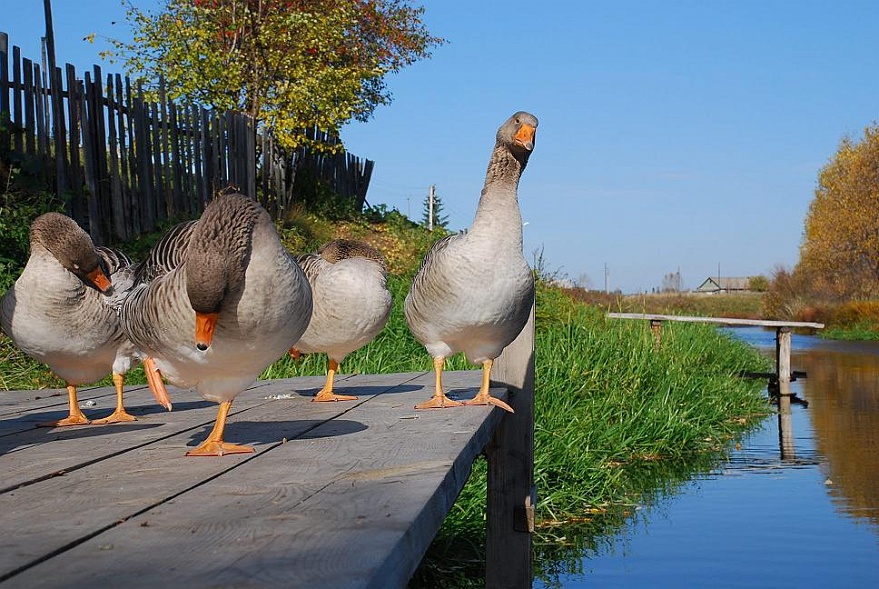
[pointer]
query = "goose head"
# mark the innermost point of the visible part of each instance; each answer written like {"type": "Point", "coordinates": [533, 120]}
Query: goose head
{"type": "Point", "coordinates": [216, 260]}
{"type": "Point", "coordinates": [518, 135]}
{"type": "Point", "coordinates": [62, 237]}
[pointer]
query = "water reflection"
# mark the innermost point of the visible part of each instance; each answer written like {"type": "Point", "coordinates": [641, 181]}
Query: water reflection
{"type": "Point", "coordinates": [843, 393]}
{"type": "Point", "coordinates": [842, 389]}
{"type": "Point", "coordinates": [786, 509]}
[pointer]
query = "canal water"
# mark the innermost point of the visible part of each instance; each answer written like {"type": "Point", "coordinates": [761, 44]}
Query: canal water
{"type": "Point", "coordinates": [808, 518]}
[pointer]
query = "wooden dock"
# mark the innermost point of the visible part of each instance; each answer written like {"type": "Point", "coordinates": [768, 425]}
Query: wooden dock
{"type": "Point", "coordinates": [345, 495]}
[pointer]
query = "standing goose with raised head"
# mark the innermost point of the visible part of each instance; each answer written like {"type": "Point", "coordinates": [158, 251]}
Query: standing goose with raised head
{"type": "Point", "coordinates": [224, 300]}
{"type": "Point", "coordinates": [474, 290]}
{"type": "Point", "coordinates": [352, 304]}
{"type": "Point", "coordinates": [60, 311]}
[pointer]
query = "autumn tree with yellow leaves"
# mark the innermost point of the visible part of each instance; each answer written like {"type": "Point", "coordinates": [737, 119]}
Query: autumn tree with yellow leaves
{"type": "Point", "coordinates": [840, 249]}
{"type": "Point", "coordinates": [291, 64]}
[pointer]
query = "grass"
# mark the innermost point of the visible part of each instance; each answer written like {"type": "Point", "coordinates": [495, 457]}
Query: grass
{"type": "Point", "coordinates": [618, 420]}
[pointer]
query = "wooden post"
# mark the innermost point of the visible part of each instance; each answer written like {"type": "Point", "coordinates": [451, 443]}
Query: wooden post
{"type": "Point", "coordinates": [656, 328]}
{"type": "Point", "coordinates": [785, 424]}
{"type": "Point", "coordinates": [511, 491]}
{"type": "Point", "coordinates": [782, 359]}
{"type": "Point", "coordinates": [785, 421]}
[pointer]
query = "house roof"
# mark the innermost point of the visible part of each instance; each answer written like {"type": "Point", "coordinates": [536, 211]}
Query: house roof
{"type": "Point", "coordinates": [713, 284]}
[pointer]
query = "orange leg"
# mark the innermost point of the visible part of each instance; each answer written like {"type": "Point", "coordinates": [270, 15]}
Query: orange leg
{"type": "Point", "coordinates": [326, 393]}
{"type": "Point", "coordinates": [295, 354]}
{"type": "Point", "coordinates": [439, 399]}
{"type": "Point", "coordinates": [120, 414]}
{"type": "Point", "coordinates": [157, 385]}
{"type": "Point", "coordinates": [214, 444]}
{"type": "Point", "coordinates": [483, 397]}
{"type": "Point", "coordinates": [76, 417]}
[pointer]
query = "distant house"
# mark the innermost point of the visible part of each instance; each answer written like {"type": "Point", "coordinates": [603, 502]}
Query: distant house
{"type": "Point", "coordinates": [717, 285]}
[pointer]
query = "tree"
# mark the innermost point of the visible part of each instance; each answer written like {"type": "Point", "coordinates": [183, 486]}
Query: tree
{"type": "Point", "coordinates": [840, 249]}
{"type": "Point", "coordinates": [672, 282]}
{"type": "Point", "coordinates": [584, 282]}
{"type": "Point", "coordinates": [758, 283]}
{"type": "Point", "coordinates": [291, 64]}
{"type": "Point", "coordinates": [439, 220]}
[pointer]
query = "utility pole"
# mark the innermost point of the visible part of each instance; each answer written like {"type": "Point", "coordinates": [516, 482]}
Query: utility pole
{"type": "Point", "coordinates": [606, 274]}
{"type": "Point", "coordinates": [430, 196]}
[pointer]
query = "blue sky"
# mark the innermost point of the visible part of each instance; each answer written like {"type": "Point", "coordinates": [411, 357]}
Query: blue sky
{"type": "Point", "coordinates": [674, 135]}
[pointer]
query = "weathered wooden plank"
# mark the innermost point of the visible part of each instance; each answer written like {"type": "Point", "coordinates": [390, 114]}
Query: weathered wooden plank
{"type": "Point", "coordinates": [718, 320]}
{"type": "Point", "coordinates": [90, 161]}
{"type": "Point", "coordinates": [133, 186]}
{"type": "Point", "coordinates": [512, 495]}
{"type": "Point", "coordinates": [124, 459]}
{"type": "Point", "coordinates": [144, 163]}
{"type": "Point", "coordinates": [174, 161]}
{"type": "Point", "coordinates": [335, 505]}
{"type": "Point", "coordinates": [77, 206]}
{"type": "Point", "coordinates": [39, 98]}
{"type": "Point", "coordinates": [117, 203]}
{"type": "Point", "coordinates": [29, 115]}
{"type": "Point", "coordinates": [159, 192]}
{"type": "Point", "coordinates": [4, 84]}
{"type": "Point", "coordinates": [130, 211]}
{"type": "Point", "coordinates": [17, 94]}
{"type": "Point", "coordinates": [62, 161]}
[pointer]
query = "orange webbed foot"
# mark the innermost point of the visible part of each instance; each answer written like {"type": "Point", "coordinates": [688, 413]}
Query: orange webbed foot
{"type": "Point", "coordinates": [324, 396]}
{"type": "Point", "coordinates": [116, 417]}
{"type": "Point", "coordinates": [438, 402]}
{"type": "Point", "coordinates": [215, 448]}
{"type": "Point", "coordinates": [489, 400]}
{"type": "Point", "coordinates": [70, 420]}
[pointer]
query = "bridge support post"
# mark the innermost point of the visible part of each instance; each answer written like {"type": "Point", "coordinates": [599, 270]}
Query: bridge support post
{"type": "Point", "coordinates": [512, 496]}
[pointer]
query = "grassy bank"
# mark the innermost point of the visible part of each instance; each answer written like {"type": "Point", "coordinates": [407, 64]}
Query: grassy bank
{"type": "Point", "coordinates": [617, 419]}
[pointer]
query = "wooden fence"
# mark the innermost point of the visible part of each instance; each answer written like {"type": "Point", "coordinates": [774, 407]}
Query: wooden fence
{"type": "Point", "coordinates": [123, 164]}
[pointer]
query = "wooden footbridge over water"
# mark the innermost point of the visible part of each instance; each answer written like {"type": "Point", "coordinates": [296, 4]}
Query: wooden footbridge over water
{"type": "Point", "coordinates": [779, 380]}
{"type": "Point", "coordinates": [345, 495]}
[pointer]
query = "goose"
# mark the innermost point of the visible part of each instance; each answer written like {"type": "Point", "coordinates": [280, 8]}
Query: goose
{"type": "Point", "coordinates": [218, 300]}
{"type": "Point", "coordinates": [474, 290]}
{"type": "Point", "coordinates": [352, 304]}
{"type": "Point", "coordinates": [61, 311]}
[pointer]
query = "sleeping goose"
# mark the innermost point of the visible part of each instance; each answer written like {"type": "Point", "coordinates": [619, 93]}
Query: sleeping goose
{"type": "Point", "coordinates": [351, 304]}
{"type": "Point", "coordinates": [224, 301]}
{"type": "Point", "coordinates": [474, 290]}
{"type": "Point", "coordinates": [60, 311]}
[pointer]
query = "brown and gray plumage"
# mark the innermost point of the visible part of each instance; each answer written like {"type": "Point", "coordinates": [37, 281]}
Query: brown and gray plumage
{"type": "Point", "coordinates": [60, 311]}
{"type": "Point", "coordinates": [474, 290]}
{"type": "Point", "coordinates": [351, 303]}
{"type": "Point", "coordinates": [224, 301]}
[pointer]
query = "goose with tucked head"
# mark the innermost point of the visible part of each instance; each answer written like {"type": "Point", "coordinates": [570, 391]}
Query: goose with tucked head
{"type": "Point", "coordinates": [352, 303]}
{"type": "Point", "coordinates": [474, 291]}
{"type": "Point", "coordinates": [60, 311]}
{"type": "Point", "coordinates": [222, 299]}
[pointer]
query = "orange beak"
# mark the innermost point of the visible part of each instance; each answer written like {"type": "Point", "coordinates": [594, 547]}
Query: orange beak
{"type": "Point", "coordinates": [99, 279]}
{"type": "Point", "coordinates": [204, 329]}
{"type": "Point", "coordinates": [525, 137]}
